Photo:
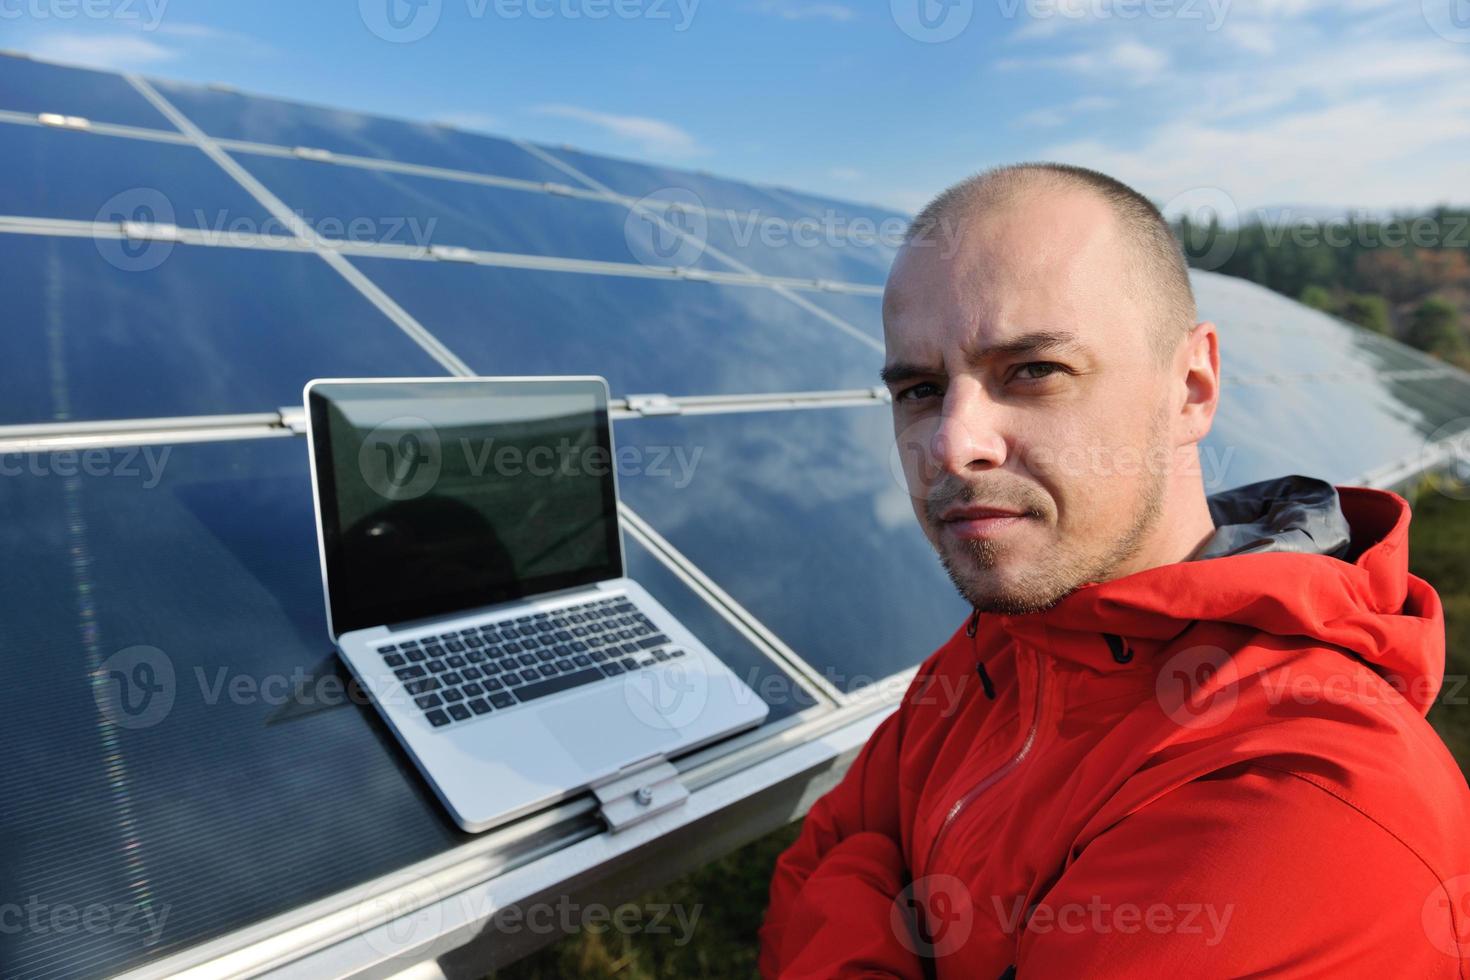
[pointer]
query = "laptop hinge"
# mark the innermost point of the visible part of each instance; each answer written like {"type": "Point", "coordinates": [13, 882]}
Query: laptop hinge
{"type": "Point", "coordinates": [653, 405]}
{"type": "Point", "coordinates": [639, 791]}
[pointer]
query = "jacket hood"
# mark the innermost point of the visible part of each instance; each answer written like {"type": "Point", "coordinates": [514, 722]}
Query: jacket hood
{"type": "Point", "coordinates": [1292, 557]}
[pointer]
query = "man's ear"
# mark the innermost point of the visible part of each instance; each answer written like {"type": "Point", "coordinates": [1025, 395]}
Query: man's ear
{"type": "Point", "coordinates": [1198, 364]}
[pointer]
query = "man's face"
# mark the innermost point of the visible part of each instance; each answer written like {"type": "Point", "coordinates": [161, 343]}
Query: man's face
{"type": "Point", "coordinates": [1068, 430]}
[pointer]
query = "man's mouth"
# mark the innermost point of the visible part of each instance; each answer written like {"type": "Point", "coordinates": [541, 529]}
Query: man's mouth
{"type": "Point", "coordinates": [973, 521]}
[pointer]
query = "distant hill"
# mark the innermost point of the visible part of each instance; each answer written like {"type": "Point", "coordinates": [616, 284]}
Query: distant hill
{"type": "Point", "coordinates": [1406, 276]}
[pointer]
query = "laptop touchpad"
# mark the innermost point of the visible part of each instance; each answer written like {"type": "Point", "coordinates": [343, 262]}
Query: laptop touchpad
{"type": "Point", "coordinates": [618, 726]}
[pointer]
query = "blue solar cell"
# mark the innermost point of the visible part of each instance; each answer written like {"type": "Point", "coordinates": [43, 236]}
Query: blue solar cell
{"type": "Point", "coordinates": [33, 86]}
{"type": "Point", "coordinates": [66, 174]}
{"type": "Point", "coordinates": [1334, 430]}
{"type": "Point", "coordinates": [803, 248]}
{"type": "Point", "coordinates": [262, 120]}
{"type": "Point", "coordinates": [871, 218]}
{"type": "Point", "coordinates": [374, 205]}
{"type": "Point", "coordinates": [862, 311]}
{"type": "Point", "coordinates": [667, 184]}
{"type": "Point", "coordinates": [799, 516]}
{"type": "Point", "coordinates": [643, 335]}
{"type": "Point", "coordinates": [239, 780]}
{"type": "Point", "coordinates": [102, 329]}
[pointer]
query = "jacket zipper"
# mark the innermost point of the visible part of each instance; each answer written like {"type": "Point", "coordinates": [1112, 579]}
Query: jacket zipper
{"type": "Point", "coordinates": [995, 775]}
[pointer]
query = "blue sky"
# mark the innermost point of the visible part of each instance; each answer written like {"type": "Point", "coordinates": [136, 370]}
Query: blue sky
{"type": "Point", "coordinates": [1357, 103]}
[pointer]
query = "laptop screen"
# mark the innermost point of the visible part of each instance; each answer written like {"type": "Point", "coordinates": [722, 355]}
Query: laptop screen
{"type": "Point", "coordinates": [438, 497]}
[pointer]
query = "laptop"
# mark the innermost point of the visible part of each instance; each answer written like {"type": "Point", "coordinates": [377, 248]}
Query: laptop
{"type": "Point", "coordinates": [473, 567]}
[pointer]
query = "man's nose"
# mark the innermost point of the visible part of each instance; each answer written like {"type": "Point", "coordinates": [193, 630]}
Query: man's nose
{"type": "Point", "coordinates": [967, 437]}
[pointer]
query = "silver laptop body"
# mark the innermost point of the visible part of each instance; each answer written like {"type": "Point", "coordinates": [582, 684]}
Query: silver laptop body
{"type": "Point", "coordinates": [472, 564]}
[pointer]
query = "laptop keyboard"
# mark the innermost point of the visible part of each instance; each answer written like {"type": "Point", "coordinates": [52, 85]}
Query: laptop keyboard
{"type": "Point", "coordinates": [454, 677]}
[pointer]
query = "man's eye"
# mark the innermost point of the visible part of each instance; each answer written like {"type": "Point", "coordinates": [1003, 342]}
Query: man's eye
{"type": "Point", "coordinates": [1047, 369]}
{"type": "Point", "coordinates": [926, 389]}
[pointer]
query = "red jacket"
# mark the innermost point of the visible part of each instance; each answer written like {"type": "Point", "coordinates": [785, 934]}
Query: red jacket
{"type": "Point", "coordinates": [1215, 768]}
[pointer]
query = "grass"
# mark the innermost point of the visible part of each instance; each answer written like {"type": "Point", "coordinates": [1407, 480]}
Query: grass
{"type": "Point", "coordinates": [730, 894]}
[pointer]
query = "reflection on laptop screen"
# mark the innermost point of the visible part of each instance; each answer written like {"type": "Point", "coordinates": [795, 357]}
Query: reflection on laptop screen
{"type": "Point", "coordinates": [439, 497]}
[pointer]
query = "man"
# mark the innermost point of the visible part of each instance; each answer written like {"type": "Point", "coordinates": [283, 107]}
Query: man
{"type": "Point", "coordinates": [1180, 736]}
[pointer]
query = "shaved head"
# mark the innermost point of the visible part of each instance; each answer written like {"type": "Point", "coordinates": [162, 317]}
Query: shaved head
{"type": "Point", "coordinates": [1157, 274]}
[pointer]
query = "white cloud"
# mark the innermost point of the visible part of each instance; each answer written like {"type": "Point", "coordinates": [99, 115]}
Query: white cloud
{"type": "Point", "coordinates": [808, 11]}
{"type": "Point", "coordinates": [1369, 152]}
{"type": "Point", "coordinates": [243, 43]}
{"type": "Point", "coordinates": [652, 136]}
{"type": "Point", "coordinates": [1138, 62]}
{"type": "Point", "coordinates": [1256, 38]}
{"type": "Point", "coordinates": [469, 119]}
{"type": "Point", "coordinates": [117, 51]}
{"type": "Point", "coordinates": [1053, 116]}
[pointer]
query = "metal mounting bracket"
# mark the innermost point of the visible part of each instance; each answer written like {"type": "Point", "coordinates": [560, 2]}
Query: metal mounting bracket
{"type": "Point", "coordinates": [639, 791]}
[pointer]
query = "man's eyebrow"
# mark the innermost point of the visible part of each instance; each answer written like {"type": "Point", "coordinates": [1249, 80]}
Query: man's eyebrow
{"type": "Point", "coordinates": [1035, 342]}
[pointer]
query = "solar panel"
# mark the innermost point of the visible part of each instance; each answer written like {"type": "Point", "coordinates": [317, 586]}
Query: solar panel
{"type": "Point", "coordinates": [680, 186]}
{"type": "Point", "coordinates": [195, 809]}
{"type": "Point", "coordinates": [231, 115]}
{"type": "Point", "coordinates": [643, 335]}
{"type": "Point", "coordinates": [53, 173]}
{"type": "Point", "coordinates": [35, 87]}
{"type": "Point", "coordinates": [108, 329]}
{"type": "Point", "coordinates": [410, 210]}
